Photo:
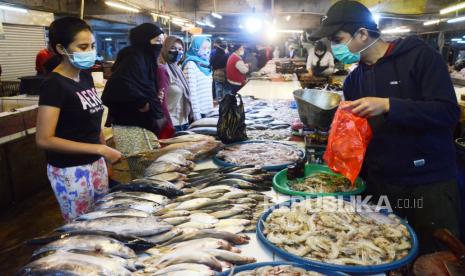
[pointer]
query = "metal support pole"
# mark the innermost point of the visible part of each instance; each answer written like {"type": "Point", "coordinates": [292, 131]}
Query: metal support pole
{"type": "Point", "coordinates": [82, 10]}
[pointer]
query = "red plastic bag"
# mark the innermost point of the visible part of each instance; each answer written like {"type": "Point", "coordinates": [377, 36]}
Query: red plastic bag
{"type": "Point", "coordinates": [347, 143]}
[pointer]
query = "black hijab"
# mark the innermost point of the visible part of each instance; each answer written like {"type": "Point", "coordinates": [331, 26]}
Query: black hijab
{"type": "Point", "coordinates": [133, 83]}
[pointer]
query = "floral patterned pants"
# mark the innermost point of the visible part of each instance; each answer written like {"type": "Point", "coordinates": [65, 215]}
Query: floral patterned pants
{"type": "Point", "coordinates": [77, 188]}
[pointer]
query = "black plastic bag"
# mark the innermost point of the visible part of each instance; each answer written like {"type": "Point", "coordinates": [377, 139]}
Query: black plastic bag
{"type": "Point", "coordinates": [231, 123]}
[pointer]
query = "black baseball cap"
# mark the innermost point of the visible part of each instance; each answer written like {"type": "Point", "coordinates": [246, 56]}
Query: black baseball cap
{"type": "Point", "coordinates": [342, 13]}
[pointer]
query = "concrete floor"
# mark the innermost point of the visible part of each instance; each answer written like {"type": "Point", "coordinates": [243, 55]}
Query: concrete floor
{"type": "Point", "coordinates": [32, 218]}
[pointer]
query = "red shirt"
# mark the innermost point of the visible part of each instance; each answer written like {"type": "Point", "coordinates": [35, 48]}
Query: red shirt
{"type": "Point", "coordinates": [389, 49]}
{"type": "Point", "coordinates": [42, 57]}
{"type": "Point", "coordinates": [232, 73]}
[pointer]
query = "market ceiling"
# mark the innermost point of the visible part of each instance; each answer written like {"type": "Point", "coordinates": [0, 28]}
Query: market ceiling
{"type": "Point", "coordinates": [286, 14]}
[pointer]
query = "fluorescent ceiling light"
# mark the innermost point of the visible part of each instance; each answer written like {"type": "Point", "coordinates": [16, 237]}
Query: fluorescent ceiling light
{"type": "Point", "coordinates": [456, 39]}
{"type": "Point", "coordinates": [253, 24]}
{"type": "Point", "coordinates": [180, 24]}
{"type": "Point", "coordinates": [221, 38]}
{"type": "Point", "coordinates": [200, 23]}
{"type": "Point", "coordinates": [455, 20]}
{"type": "Point", "coordinates": [217, 15]}
{"type": "Point", "coordinates": [288, 18]}
{"type": "Point", "coordinates": [108, 39]}
{"type": "Point", "coordinates": [453, 8]}
{"type": "Point", "coordinates": [210, 25]}
{"type": "Point", "coordinates": [121, 6]}
{"type": "Point", "coordinates": [179, 19]}
{"type": "Point", "coordinates": [160, 15]}
{"type": "Point", "coordinates": [290, 31]}
{"type": "Point", "coordinates": [395, 31]}
{"type": "Point", "coordinates": [432, 22]}
{"type": "Point", "coordinates": [11, 8]}
{"type": "Point", "coordinates": [461, 41]}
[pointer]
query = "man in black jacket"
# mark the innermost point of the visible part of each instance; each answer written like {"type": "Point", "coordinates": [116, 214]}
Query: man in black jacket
{"type": "Point", "coordinates": [218, 63]}
{"type": "Point", "coordinates": [404, 89]}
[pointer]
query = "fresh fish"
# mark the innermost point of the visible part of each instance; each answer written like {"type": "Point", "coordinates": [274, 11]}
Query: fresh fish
{"type": "Point", "coordinates": [235, 194]}
{"type": "Point", "coordinates": [134, 226]}
{"type": "Point", "coordinates": [246, 200]}
{"type": "Point", "coordinates": [246, 216]}
{"type": "Point", "coordinates": [250, 171]}
{"type": "Point", "coordinates": [227, 213]}
{"type": "Point", "coordinates": [161, 238]}
{"type": "Point", "coordinates": [193, 204]}
{"type": "Point", "coordinates": [179, 213]}
{"type": "Point", "coordinates": [199, 195]}
{"type": "Point", "coordinates": [230, 257]}
{"type": "Point", "coordinates": [196, 225]}
{"type": "Point", "coordinates": [130, 264]}
{"type": "Point", "coordinates": [250, 228]}
{"type": "Point", "coordinates": [133, 242]}
{"type": "Point", "coordinates": [203, 218]}
{"type": "Point", "coordinates": [150, 186]}
{"type": "Point", "coordinates": [133, 203]}
{"type": "Point", "coordinates": [215, 208]}
{"type": "Point", "coordinates": [232, 222]}
{"type": "Point", "coordinates": [219, 188]}
{"type": "Point", "coordinates": [173, 157]}
{"type": "Point", "coordinates": [200, 244]}
{"type": "Point", "coordinates": [185, 268]}
{"type": "Point", "coordinates": [162, 200]}
{"type": "Point", "coordinates": [67, 263]}
{"type": "Point", "coordinates": [114, 212]}
{"type": "Point", "coordinates": [91, 243]}
{"type": "Point", "coordinates": [206, 180]}
{"type": "Point", "coordinates": [161, 167]}
{"type": "Point", "coordinates": [186, 138]}
{"type": "Point", "coordinates": [176, 220]}
{"type": "Point", "coordinates": [209, 233]}
{"type": "Point", "coordinates": [183, 256]}
{"type": "Point", "coordinates": [233, 229]}
{"type": "Point", "coordinates": [241, 184]}
{"type": "Point", "coordinates": [279, 126]}
{"type": "Point", "coordinates": [170, 176]}
{"type": "Point", "coordinates": [250, 178]}
{"type": "Point", "coordinates": [205, 130]}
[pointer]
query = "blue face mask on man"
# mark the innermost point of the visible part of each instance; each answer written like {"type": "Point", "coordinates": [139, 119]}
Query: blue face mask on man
{"type": "Point", "coordinates": [342, 52]}
{"type": "Point", "coordinates": [82, 60]}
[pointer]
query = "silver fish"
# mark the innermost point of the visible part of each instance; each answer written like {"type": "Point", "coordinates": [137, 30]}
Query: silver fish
{"type": "Point", "coordinates": [131, 226]}
{"type": "Point", "coordinates": [186, 138]}
{"type": "Point", "coordinates": [89, 243]}
{"type": "Point", "coordinates": [183, 268]}
{"type": "Point", "coordinates": [114, 212]}
{"type": "Point", "coordinates": [162, 200]}
{"type": "Point", "coordinates": [230, 257]}
{"type": "Point", "coordinates": [200, 244]}
{"type": "Point", "coordinates": [210, 233]}
{"type": "Point", "coordinates": [193, 204]}
{"type": "Point", "coordinates": [161, 238]}
{"type": "Point", "coordinates": [176, 220]}
{"type": "Point", "coordinates": [169, 176]}
{"type": "Point", "coordinates": [161, 167]}
{"type": "Point", "coordinates": [179, 213]}
{"type": "Point", "coordinates": [183, 256]}
{"type": "Point", "coordinates": [66, 263]}
{"type": "Point", "coordinates": [227, 213]}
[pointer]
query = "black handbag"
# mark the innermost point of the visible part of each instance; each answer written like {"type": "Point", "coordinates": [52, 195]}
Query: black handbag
{"type": "Point", "coordinates": [231, 123]}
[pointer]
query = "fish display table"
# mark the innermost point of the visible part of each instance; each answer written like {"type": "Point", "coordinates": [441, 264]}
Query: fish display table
{"type": "Point", "coordinates": [266, 89]}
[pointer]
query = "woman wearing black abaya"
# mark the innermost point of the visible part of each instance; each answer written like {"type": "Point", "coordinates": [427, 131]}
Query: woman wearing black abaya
{"type": "Point", "coordinates": [131, 93]}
